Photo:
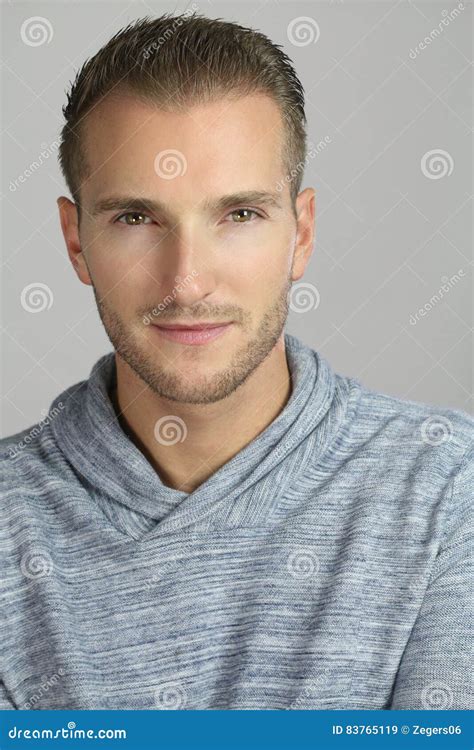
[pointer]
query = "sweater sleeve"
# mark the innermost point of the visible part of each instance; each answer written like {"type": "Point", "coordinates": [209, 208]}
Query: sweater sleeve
{"type": "Point", "coordinates": [5, 702]}
{"type": "Point", "coordinates": [436, 666]}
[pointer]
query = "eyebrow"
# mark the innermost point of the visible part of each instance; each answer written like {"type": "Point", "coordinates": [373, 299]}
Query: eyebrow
{"type": "Point", "coordinates": [139, 204]}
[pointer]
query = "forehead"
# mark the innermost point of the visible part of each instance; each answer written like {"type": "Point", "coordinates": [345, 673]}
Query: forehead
{"type": "Point", "coordinates": [220, 146]}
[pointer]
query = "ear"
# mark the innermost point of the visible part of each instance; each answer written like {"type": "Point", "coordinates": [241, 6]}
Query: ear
{"type": "Point", "coordinates": [70, 227]}
{"type": "Point", "coordinates": [305, 208]}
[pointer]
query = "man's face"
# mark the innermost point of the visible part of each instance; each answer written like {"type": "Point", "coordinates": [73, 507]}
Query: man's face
{"type": "Point", "coordinates": [190, 260]}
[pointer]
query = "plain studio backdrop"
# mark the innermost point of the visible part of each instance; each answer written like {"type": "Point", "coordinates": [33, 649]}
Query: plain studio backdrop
{"type": "Point", "coordinates": [387, 294]}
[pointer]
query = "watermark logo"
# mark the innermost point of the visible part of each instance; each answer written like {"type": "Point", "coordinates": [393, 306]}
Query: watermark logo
{"type": "Point", "coordinates": [436, 430]}
{"type": "Point", "coordinates": [36, 430]}
{"type": "Point", "coordinates": [45, 153]}
{"type": "Point", "coordinates": [302, 563]}
{"type": "Point", "coordinates": [302, 31]}
{"type": "Point", "coordinates": [35, 565]}
{"type": "Point", "coordinates": [311, 692]}
{"type": "Point", "coordinates": [170, 430]}
{"type": "Point", "coordinates": [180, 285]}
{"type": "Point", "coordinates": [447, 285]}
{"type": "Point", "coordinates": [171, 696]}
{"type": "Point", "coordinates": [448, 17]}
{"type": "Point", "coordinates": [436, 164]}
{"type": "Point", "coordinates": [168, 33]}
{"type": "Point", "coordinates": [36, 31]}
{"type": "Point", "coordinates": [304, 297]}
{"type": "Point", "coordinates": [45, 685]}
{"type": "Point", "coordinates": [294, 171]}
{"type": "Point", "coordinates": [36, 297]}
{"type": "Point", "coordinates": [437, 696]}
{"type": "Point", "coordinates": [170, 163]}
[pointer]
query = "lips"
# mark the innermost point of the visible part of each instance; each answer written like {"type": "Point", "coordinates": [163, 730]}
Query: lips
{"type": "Point", "coordinates": [190, 327]}
{"type": "Point", "coordinates": [197, 334]}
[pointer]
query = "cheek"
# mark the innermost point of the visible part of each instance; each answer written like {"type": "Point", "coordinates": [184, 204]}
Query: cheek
{"type": "Point", "coordinates": [256, 254]}
{"type": "Point", "coordinates": [115, 266]}
{"type": "Point", "coordinates": [267, 271]}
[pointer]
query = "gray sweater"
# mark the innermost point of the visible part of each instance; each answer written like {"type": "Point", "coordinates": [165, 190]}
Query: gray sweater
{"type": "Point", "coordinates": [325, 566]}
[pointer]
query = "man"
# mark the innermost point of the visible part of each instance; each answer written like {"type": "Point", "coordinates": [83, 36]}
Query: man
{"type": "Point", "coordinates": [215, 519]}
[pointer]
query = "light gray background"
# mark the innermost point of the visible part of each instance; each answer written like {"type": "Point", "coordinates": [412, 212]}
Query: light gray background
{"type": "Point", "coordinates": [386, 234]}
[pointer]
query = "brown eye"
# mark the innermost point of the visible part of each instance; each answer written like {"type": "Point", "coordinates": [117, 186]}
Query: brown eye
{"type": "Point", "coordinates": [133, 218]}
{"type": "Point", "coordinates": [246, 212]}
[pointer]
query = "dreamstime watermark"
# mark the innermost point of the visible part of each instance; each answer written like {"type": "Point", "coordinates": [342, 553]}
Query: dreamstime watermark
{"type": "Point", "coordinates": [170, 164]}
{"type": "Point", "coordinates": [36, 31]}
{"type": "Point", "coordinates": [36, 565]}
{"type": "Point", "coordinates": [302, 563]}
{"type": "Point", "coordinates": [165, 571]}
{"type": "Point", "coordinates": [314, 151]}
{"type": "Point", "coordinates": [147, 319]}
{"type": "Point", "coordinates": [303, 297]}
{"type": "Point", "coordinates": [436, 430]}
{"type": "Point", "coordinates": [437, 164]}
{"type": "Point", "coordinates": [36, 297]}
{"type": "Point", "coordinates": [45, 153]}
{"type": "Point", "coordinates": [36, 430]}
{"type": "Point", "coordinates": [168, 33]}
{"type": "Point", "coordinates": [45, 685]}
{"type": "Point", "coordinates": [72, 732]}
{"type": "Point", "coordinates": [302, 31]}
{"type": "Point", "coordinates": [170, 430]}
{"type": "Point", "coordinates": [437, 696]}
{"type": "Point", "coordinates": [447, 285]}
{"type": "Point", "coordinates": [170, 696]}
{"type": "Point", "coordinates": [448, 17]}
{"type": "Point", "coordinates": [311, 692]}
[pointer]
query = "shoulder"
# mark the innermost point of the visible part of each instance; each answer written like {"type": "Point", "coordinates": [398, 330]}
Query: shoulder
{"type": "Point", "coordinates": [32, 458]}
{"type": "Point", "coordinates": [406, 427]}
{"type": "Point", "coordinates": [415, 459]}
{"type": "Point", "coordinates": [31, 442]}
{"type": "Point", "coordinates": [32, 470]}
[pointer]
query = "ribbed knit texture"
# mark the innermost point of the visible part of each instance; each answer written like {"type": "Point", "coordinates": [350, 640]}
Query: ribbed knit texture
{"type": "Point", "coordinates": [326, 566]}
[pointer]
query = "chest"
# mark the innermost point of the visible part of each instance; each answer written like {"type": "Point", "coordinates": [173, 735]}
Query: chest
{"type": "Point", "coordinates": [251, 620]}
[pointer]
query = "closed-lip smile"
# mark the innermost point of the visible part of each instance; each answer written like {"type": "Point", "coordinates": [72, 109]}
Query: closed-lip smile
{"type": "Point", "coordinates": [190, 326]}
{"type": "Point", "coordinates": [192, 334]}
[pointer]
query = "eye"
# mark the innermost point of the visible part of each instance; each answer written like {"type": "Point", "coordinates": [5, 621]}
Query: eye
{"type": "Point", "coordinates": [132, 218]}
{"type": "Point", "coordinates": [243, 219]}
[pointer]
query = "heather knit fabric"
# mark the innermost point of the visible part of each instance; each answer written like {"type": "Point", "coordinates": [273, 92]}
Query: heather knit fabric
{"type": "Point", "coordinates": [325, 566]}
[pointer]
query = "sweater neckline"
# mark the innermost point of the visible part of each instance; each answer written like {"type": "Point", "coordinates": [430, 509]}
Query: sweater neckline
{"type": "Point", "coordinates": [88, 432]}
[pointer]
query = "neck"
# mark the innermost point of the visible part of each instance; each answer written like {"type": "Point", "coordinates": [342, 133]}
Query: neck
{"type": "Point", "coordinates": [215, 433]}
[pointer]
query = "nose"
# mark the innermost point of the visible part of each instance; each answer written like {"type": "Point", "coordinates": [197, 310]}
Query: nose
{"type": "Point", "coordinates": [187, 268]}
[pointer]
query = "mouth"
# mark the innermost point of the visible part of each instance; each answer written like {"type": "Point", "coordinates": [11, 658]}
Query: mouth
{"type": "Point", "coordinates": [192, 334]}
{"type": "Point", "coordinates": [189, 326]}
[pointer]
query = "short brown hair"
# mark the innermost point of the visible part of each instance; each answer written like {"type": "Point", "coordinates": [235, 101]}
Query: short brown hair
{"type": "Point", "coordinates": [176, 61]}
